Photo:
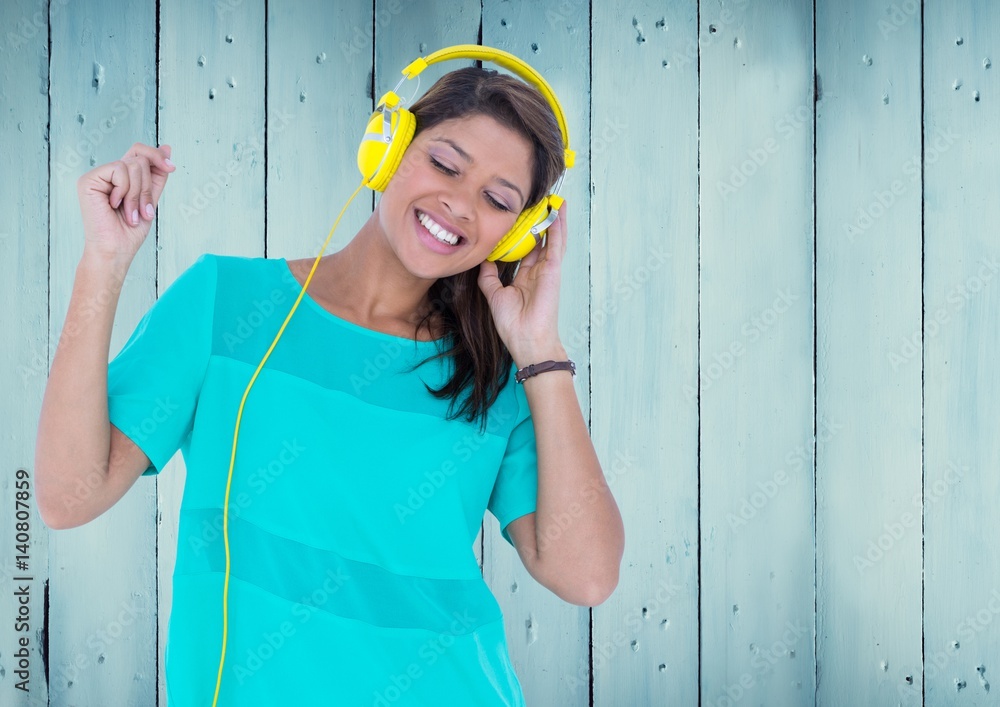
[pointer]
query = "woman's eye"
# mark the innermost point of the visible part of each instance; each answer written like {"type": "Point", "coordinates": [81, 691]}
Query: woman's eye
{"type": "Point", "coordinates": [496, 203]}
{"type": "Point", "coordinates": [442, 167]}
{"type": "Point", "coordinates": [493, 202]}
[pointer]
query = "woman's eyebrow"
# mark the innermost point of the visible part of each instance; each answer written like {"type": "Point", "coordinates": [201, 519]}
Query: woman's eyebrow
{"type": "Point", "coordinates": [468, 158]}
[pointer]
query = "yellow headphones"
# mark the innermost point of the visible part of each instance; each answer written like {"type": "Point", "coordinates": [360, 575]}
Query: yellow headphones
{"type": "Point", "coordinates": [391, 127]}
{"type": "Point", "coordinates": [389, 132]}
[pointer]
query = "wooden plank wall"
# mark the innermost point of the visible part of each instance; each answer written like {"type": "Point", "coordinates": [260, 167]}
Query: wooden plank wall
{"type": "Point", "coordinates": [780, 292]}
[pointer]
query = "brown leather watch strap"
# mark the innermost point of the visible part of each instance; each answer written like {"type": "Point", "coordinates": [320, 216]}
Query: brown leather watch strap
{"type": "Point", "coordinates": [533, 369]}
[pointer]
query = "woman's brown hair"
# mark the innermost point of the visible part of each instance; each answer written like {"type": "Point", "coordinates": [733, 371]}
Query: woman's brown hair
{"type": "Point", "coordinates": [479, 355]}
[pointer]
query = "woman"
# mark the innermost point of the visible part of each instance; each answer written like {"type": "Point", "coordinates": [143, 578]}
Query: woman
{"type": "Point", "coordinates": [383, 425]}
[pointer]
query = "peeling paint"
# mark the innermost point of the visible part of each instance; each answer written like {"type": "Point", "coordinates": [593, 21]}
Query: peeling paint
{"type": "Point", "coordinates": [98, 80]}
{"type": "Point", "coordinates": [640, 38]}
{"type": "Point", "coordinates": [531, 632]}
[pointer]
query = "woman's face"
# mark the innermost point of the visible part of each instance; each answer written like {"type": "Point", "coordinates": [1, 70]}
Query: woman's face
{"type": "Point", "coordinates": [476, 190]}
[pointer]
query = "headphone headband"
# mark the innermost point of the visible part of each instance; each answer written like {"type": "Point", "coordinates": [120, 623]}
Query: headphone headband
{"type": "Point", "coordinates": [507, 61]}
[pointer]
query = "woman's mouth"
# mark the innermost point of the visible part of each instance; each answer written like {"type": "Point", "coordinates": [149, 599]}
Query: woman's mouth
{"type": "Point", "coordinates": [437, 238]}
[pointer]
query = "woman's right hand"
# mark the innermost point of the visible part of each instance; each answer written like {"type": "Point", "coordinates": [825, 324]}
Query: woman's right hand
{"type": "Point", "coordinates": [111, 193]}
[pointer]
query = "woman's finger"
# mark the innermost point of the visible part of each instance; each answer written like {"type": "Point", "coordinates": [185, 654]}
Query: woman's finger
{"type": "Point", "coordinates": [145, 190]}
{"type": "Point", "coordinates": [160, 169]}
{"type": "Point", "coordinates": [131, 203]}
{"type": "Point", "coordinates": [119, 181]}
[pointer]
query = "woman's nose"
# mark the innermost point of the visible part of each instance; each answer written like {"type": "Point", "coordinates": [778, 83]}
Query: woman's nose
{"type": "Point", "coordinates": [457, 206]}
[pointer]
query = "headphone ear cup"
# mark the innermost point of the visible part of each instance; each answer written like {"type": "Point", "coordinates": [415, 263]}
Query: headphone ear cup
{"type": "Point", "coordinates": [519, 240]}
{"type": "Point", "coordinates": [378, 160]}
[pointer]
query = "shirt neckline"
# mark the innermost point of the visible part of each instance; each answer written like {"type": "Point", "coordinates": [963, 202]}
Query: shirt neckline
{"type": "Point", "coordinates": [327, 314]}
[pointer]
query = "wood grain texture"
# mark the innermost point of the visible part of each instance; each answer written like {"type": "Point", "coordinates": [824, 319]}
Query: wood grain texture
{"type": "Point", "coordinates": [868, 466]}
{"type": "Point", "coordinates": [102, 619]}
{"type": "Point", "coordinates": [644, 344]}
{"type": "Point", "coordinates": [756, 350]}
{"type": "Point", "coordinates": [24, 348]}
{"type": "Point", "coordinates": [781, 292]}
{"type": "Point", "coordinates": [961, 337]}
{"type": "Point", "coordinates": [212, 114]}
{"type": "Point", "coordinates": [549, 639]}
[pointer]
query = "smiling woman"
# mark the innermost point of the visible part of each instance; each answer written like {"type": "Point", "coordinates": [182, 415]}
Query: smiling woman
{"type": "Point", "coordinates": [496, 147]}
{"type": "Point", "coordinates": [340, 535]}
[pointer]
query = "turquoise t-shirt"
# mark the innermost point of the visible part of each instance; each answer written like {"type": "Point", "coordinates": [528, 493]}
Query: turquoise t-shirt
{"type": "Point", "coordinates": [353, 508]}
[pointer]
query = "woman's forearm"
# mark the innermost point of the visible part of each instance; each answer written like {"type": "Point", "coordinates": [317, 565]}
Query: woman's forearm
{"type": "Point", "coordinates": [74, 432]}
{"type": "Point", "coordinates": [579, 533]}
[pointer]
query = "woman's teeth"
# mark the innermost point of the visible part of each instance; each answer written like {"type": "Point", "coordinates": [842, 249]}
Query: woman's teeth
{"type": "Point", "coordinates": [436, 230]}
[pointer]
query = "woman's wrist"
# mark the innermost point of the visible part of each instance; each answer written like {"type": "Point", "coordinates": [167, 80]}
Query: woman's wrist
{"type": "Point", "coordinates": [553, 351]}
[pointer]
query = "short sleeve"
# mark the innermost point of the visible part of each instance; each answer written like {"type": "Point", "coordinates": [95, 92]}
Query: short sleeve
{"type": "Point", "coordinates": [155, 380]}
{"type": "Point", "coordinates": [515, 492]}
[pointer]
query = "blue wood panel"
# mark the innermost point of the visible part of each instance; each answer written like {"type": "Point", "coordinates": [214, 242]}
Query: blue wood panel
{"type": "Point", "coordinates": [780, 292]}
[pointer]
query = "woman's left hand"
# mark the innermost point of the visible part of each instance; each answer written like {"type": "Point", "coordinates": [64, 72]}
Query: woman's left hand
{"type": "Point", "coordinates": [526, 312]}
